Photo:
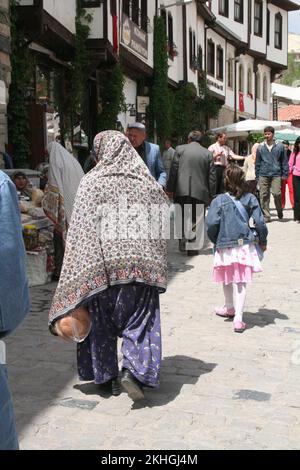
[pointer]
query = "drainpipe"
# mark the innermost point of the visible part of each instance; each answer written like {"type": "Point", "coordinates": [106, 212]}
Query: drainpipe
{"type": "Point", "coordinates": [255, 70]}
{"type": "Point", "coordinates": [184, 44]}
{"type": "Point", "coordinates": [236, 55]}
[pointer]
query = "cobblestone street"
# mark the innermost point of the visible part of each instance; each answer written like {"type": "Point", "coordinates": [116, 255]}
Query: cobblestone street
{"type": "Point", "coordinates": [219, 390]}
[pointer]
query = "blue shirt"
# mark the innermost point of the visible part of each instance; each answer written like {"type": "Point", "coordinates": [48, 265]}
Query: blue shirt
{"type": "Point", "coordinates": [155, 164]}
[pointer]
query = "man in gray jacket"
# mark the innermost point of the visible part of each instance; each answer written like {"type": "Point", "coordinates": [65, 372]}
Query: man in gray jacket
{"type": "Point", "coordinates": [192, 178]}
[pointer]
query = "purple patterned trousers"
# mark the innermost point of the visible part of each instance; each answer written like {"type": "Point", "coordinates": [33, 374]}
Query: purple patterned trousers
{"type": "Point", "coordinates": [131, 312]}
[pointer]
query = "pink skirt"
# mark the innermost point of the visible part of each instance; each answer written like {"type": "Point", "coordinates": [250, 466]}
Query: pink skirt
{"type": "Point", "coordinates": [234, 265]}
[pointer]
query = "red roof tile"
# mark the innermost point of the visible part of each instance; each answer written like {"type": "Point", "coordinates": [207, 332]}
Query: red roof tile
{"type": "Point", "coordinates": [289, 113]}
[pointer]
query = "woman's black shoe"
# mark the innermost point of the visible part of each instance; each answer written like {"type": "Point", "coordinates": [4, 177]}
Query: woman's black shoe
{"type": "Point", "coordinates": [132, 386]}
{"type": "Point", "coordinates": [116, 389]}
{"type": "Point", "coordinates": [111, 387]}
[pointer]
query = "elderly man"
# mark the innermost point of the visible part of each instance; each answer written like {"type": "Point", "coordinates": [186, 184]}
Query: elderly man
{"type": "Point", "coordinates": [149, 152]}
{"type": "Point", "coordinates": [222, 155]}
{"type": "Point", "coordinates": [192, 181]}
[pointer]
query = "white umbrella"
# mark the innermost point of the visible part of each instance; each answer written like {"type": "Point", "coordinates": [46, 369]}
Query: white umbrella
{"type": "Point", "coordinates": [248, 126]}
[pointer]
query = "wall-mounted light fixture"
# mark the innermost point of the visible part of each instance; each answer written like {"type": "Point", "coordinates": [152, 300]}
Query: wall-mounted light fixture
{"type": "Point", "coordinates": [178, 3]}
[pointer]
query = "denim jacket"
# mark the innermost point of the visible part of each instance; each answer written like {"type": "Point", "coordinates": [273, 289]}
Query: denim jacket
{"type": "Point", "coordinates": [271, 164]}
{"type": "Point", "coordinates": [14, 297]}
{"type": "Point", "coordinates": [226, 227]}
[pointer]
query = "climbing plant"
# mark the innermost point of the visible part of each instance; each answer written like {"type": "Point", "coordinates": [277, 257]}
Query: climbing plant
{"type": "Point", "coordinates": [112, 97]}
{"type": "Point", "coordinates": [80, 62]}
{"type": "Point", "coordinates": [208, 106]}
{"type": "Point", "coordinates": [20, 78]}
{"type": "Point", "coordinates": [160, 112]}
{"type": "Point", "coordinates": [185, 115]}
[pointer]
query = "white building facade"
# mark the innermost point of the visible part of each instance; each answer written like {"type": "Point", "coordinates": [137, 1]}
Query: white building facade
{"type": "Point", "coordinates": [256, 33]}
{"type": "Point", "coordinates": [238, 46]}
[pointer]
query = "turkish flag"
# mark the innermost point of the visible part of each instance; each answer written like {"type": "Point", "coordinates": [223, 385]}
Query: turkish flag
{"type": "Point", "coordinates": [115, 34]}
{"type": "Point", "coordinates": [241, 102]}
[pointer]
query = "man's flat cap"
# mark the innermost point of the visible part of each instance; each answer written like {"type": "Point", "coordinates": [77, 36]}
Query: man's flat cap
{"type": "Point", "coordinates": [136, 125]}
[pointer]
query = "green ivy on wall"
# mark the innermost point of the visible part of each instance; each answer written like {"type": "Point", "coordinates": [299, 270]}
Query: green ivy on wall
{"type": "Point", "coordinates": [192, 110]}
{"type": "Point", "coordinates": [80, 62]}
{"type": "Point", "coordinates": [20, 78]}
{"type": "Point", "coordinates": [112, 97]}
{"type": "Point", "coordinates": [161, 101]}
{"type": "Point", "coordinates": [185, 115]}
{"type": "Point", "coordinates": [208, 106]}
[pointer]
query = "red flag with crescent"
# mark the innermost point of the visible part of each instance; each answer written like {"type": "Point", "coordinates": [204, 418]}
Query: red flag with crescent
{"type": "Point", "coordinates": [241, 101]}
{"type": "Point", "coordinates": [115, 34]}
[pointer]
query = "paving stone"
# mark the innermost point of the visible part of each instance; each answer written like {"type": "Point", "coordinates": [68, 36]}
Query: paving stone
{"type": "Point", "coordinates": [219, 390]}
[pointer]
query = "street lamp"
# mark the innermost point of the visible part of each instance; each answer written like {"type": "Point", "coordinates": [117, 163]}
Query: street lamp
{"type": "Point", "coordinates": [178, 3]}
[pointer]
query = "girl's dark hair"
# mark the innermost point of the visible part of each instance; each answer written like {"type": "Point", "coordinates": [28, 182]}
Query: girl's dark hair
{"type": "Point", "coordinates": [296, 145]}
{"type": "Point", "coordinates": [234, 180]}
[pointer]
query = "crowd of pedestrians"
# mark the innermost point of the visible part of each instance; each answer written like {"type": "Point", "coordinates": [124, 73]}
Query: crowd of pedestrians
{"type": "Point", "coordinates": [109, 286]}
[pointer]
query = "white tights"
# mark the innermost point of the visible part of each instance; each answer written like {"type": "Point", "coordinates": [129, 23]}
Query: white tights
{"type": "Point", "coordinates": [235, 296]}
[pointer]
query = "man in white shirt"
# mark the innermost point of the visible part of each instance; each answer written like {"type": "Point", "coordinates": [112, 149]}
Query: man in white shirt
{"type": "Point", "coordinates": [222, 155]}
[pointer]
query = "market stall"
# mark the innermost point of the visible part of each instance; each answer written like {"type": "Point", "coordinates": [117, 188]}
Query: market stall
{"type": "Point", "coordinates": [38, 239]}
{"type": "Point", "coordinates": [37, 230]}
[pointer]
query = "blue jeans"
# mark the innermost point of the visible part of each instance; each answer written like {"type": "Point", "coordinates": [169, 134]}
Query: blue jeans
{"type": "Point", "coordinates": [8, 433]}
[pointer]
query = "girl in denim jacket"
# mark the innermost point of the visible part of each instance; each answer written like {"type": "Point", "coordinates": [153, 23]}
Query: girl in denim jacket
{"type": "Point", "coordinates": [236, 256]}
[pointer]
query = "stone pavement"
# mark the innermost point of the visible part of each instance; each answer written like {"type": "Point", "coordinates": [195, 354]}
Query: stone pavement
{"type": "Point", "coordinates": [219, 389]}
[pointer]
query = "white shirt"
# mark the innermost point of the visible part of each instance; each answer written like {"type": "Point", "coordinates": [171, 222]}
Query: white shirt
{"type": "Point", "coordinates": [269, 146]}
{"type": "Point", "coordinates": [226, 152]}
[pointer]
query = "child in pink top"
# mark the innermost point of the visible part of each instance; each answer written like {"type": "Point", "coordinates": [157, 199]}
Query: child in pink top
{"type": "Point", "coordinates": [236, 254]}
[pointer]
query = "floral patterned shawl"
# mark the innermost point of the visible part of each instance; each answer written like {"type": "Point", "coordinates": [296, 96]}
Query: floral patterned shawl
{"type": "Point", "coordinates": [96, 259]}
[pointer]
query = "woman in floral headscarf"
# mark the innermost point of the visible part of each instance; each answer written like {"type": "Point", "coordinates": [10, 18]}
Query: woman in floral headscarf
{"type": "Point", "coordinates": [115, 268]}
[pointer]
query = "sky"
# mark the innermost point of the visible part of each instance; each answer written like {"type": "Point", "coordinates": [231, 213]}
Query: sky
{"type": "Point", "coordinates": [294, 20]}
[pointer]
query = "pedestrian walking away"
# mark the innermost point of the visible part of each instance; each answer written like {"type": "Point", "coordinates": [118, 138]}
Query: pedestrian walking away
{"type": "Point", "coordinates": [271, 167]}
{"type": "Point", "coordinates": [64, 177]}
{"type": "Point", "coordinates": [14, 298]}
{"type": "Point", "coordinates": [192, 181]}
{"type": "Point", "coordinates": [115, 273]}
{"type": "Point", "coordinates": [294, 169]}
{"type": "Point", "coordinates": [236, 255]}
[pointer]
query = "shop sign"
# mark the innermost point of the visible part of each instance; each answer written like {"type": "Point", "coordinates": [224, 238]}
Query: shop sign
{"type": "Point", "coordinates": [134, 38]}
{"type": "Point", "coordinates": [142, 103]}
{"type": "Point", "coordinates": [215, 84]}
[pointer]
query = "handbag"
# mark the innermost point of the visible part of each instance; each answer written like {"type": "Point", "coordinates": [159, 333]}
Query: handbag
{"type": "Point", "coordinates": [245, 216]}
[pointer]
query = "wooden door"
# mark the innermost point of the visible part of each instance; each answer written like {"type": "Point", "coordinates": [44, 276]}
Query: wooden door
{"type": "Point", "coordinates": [37, 133]}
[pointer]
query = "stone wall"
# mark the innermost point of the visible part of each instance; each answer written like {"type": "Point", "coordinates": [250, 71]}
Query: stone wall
{"type": "Point", "coordinates": [5, 71]}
